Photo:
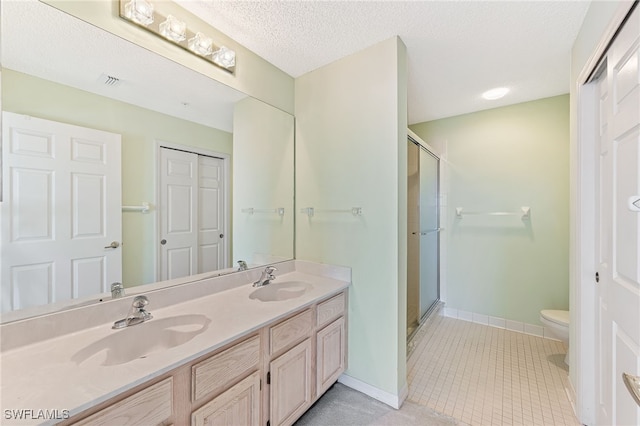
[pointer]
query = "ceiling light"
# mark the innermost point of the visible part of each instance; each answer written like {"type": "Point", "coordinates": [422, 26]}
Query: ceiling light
{"type": "Point", "coordinates": [496, 93]}
{"type": "Point", "coordinates": [201, 44]}
{"type": "Point", "coordinates": [174, 29]}
{"type": "Point", "coordinates": [224, 57]}
{"type": "Point", "coordinates": [139, 11]}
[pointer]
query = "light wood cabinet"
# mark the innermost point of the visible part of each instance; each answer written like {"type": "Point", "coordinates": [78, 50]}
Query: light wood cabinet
{"type": "Point", "coordinates": [271, 375]}
{"type": "Point", "coordinates": [330, 309]}
{"type": "Point", "coordinates": [330, 354]}
{"type": "Point", "coordinates": [291, 376]}
{"type": "Point", "coordinates": [150, 406]}
{"type": "Point", "coordinates": [290, 331]}
{"type": "Point", "coordinates": [215, 373]}
{"type": "Point", "coordinates": [240, 405]}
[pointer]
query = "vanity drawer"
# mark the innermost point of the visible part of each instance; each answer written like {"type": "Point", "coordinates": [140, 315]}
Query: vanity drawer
{"type": "Point", "coordinates": [329, 310]}
{"type": "Point", "coordinates": [290, 331]}
{"type": "Point", "coordinates": [214, 373]}
{"type": "Point", "coordinates": [153, 405]}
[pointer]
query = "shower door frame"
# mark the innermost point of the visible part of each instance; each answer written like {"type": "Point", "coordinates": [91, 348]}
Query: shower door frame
{"type": "Point", "coordinates": [423, 146]}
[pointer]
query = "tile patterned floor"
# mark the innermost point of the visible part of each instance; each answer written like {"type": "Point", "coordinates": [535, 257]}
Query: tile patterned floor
{"type": "Point", "coordinates": [484, 375]}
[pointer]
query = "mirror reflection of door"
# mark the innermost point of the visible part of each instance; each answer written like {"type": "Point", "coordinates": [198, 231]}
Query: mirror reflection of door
{"type": "Point", "coordinates": [61, 212]}
{"type": "Point", "coordinates": [192, 208]}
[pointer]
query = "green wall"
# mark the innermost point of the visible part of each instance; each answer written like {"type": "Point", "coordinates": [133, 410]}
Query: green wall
{"type": "Point", "coordinates": [263, 165]}
{"type": "Point", "coordinates": [351, 151]}
{"type": "Point", "coordinates": [139, 127]}
{"type": "Point", "coordinates": [499, 160]}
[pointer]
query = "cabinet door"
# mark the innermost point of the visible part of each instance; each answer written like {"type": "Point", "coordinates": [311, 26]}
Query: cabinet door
{"type": "Point", "coordinates": [240, 405]}
{"type": "Point", "coordinates": [150, 406]}
{"type": "Point", "coordinates": [330, 355]}
{"type": "Point", "coordinates": [291, 384]}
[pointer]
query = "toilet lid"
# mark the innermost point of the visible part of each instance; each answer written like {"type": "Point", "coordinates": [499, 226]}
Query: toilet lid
{"type": "Point", "coordinates": [559, 317]}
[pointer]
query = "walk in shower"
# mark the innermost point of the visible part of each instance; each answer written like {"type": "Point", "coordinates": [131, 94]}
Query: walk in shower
{"type": "Point", "coordinates": [423, 265]}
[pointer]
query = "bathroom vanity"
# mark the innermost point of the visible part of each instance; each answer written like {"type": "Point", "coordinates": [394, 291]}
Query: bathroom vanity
{"type": "Point", "coordinates": [242, 355]}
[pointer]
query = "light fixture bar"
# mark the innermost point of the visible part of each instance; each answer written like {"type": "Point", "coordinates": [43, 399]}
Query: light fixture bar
{"type": "Point", "coordinates": [176, 31]}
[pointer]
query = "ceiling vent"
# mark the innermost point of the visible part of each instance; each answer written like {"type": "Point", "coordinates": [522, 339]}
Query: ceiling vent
{"type": "Point", "coordinates": [109, 80]}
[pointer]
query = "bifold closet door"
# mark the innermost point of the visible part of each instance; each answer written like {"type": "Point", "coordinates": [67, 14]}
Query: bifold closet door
{"type": "Point", "coordinates": [178, 213]}
{"type": "Point", "coordinates": [192, 214]}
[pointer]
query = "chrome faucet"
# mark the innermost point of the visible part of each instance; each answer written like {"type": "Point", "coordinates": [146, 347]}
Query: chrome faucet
{"type": "Point", "coordinates": [137, 313]}
{"type": "Point", "coordinates": [117, 290]}
{"type": "Point", "coordinates": [266, 277]}
{"type": "Point", "coordinates": [242, 265]}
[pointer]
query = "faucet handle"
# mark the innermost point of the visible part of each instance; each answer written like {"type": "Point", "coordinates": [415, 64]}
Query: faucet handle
{"type": "Point", "coordinates": [140, 302]}
{"type": "Point", "coordinates": [270, 269]}
{"type": "Point", "coordinates": [117, 290]}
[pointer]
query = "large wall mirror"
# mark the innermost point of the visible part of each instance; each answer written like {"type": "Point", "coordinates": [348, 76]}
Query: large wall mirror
{"type": "Point", "coordinates": [86, 113]}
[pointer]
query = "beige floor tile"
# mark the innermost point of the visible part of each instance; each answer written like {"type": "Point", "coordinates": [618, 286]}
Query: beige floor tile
{"type": "Point", "coordinates": [483, 375]}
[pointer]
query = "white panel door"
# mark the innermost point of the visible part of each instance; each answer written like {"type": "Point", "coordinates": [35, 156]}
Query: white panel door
{"type": "Point", "coordinates": [211, 238]}
{"type": "Point", "coordinates": [603, 254]}
{"type": "Point", "coordinates": [178, 213]}
{"type": "Point", "coordinates": [618, 343]}
{"type": "Point", "coordinates": [61, 211]}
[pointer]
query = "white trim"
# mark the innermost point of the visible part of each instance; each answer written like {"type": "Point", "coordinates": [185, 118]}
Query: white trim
{"type": "Point", "coordinates": [227, 189]}
{"type": "Point", "coordinates": [497, 322]}
{"type": "Point", "coordinates": [616, 21]}
{"type": "Point", "coordinates": [582, 241]}
{"type": "Point", "coordinates": [390, 399]}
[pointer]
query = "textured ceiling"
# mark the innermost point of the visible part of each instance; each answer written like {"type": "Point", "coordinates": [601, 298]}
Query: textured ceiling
{"type": "Point", "coordinates": [456, 49]}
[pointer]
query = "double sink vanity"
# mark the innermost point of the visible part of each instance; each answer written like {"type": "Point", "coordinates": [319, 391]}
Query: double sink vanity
{"type": "Point", "coordinates": [213, 351]}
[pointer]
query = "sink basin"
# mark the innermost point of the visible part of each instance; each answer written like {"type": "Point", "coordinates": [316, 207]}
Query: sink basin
{"type": "Point", "coordinates": [141, 340]}
{"type": "Point", "coordinates": [278, 291]}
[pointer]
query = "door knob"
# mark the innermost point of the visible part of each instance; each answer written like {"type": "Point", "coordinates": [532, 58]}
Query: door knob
{"type": "Point", "coordinates": [113, 245]}
{"type": "Point", "coordinates": [633, 385]}
{"type": "Point", "coordinates": [163, 241]}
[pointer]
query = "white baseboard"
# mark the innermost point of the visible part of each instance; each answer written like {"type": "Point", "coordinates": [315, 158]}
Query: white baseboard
{"type": "Point", "coordinates": [517, 326]}
{"type": "Point", "coordinates": [390, 399]}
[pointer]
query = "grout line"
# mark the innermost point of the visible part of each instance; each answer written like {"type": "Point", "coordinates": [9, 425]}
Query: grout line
{"type": "Point", "coordinates": [482, 374]}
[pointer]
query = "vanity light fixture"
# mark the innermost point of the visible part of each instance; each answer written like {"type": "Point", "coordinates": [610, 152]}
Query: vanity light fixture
{"type": "Point", "coordinates": [497, 93]}
{"type": "Point", "coordinates": [224, 57]}
{"type": "Point", "coordinates": [139, 11]}
{"type": "Point", "coordinates": [201, 44]}
{"type": "Point", "coordinates": [172, 27]}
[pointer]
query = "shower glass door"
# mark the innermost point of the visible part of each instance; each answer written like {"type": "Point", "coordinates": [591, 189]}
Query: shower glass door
{"type": "Point", "coordinates": [429, 232]}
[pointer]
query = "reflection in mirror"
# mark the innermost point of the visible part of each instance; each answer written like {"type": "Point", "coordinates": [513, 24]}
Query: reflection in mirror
{"type": "Point", "coordinates": [210, 161]}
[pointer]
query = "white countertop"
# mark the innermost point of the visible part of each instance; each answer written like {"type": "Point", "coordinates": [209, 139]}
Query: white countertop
{"type": "Point", "coordinates": [42, 375]}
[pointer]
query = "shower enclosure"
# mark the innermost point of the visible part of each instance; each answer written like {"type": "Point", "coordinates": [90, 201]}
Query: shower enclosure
{"type": "Point", "coordinates": [423, 265]}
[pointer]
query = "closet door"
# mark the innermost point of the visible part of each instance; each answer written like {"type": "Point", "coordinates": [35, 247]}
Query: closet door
{"type": "Point", "coordinates": [618, 232]}
{"type": "Point", "coordinates": [178, 213]}
{"type": "Point", "coordinates": [192, 213]}
{"type": "Point", "coordinates": [211, 212]}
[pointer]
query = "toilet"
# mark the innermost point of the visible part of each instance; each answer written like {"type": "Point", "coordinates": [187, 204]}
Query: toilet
{"type": "Point", "coordinates": [557, 322]}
